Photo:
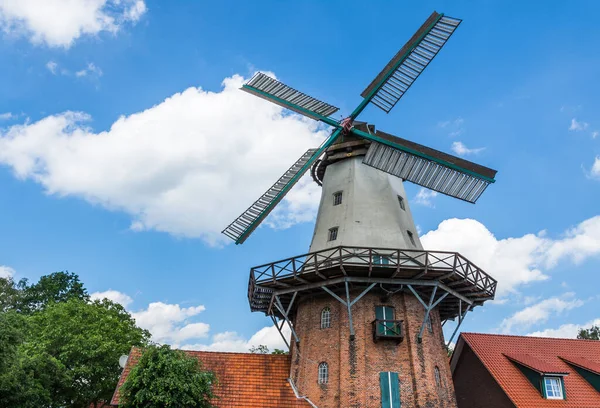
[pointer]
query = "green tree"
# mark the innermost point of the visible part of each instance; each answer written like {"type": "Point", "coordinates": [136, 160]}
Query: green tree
{"type": "Point", "coordinates": [9, 294]}
{"type": "Point", "coordinates": [50, 289]}
{"type": "Point", "coordinates": [279, 351]}
{"type": "Point", "coordinates": [25, 381]}
{"type": "Point", "coordinates": [84, 339]}
{"type": "Point", "coordinates": [166, 378]}
{"type": "Point", "coordinates": [260, 349]}
{"type": "Point", "coordinates": [593, 333]}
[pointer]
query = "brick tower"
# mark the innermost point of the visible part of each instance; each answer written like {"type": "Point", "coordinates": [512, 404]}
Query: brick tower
{"type": "Point", "coordinates": [366, 304]}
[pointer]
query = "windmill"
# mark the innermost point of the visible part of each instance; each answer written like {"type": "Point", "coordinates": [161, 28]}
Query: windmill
{"type": "Point", "coordinates": [366, 271]}
{"type": "Point", "coordinates": [405, 159]}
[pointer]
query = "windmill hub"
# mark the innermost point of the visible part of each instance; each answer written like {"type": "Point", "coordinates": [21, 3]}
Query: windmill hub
{"type": "Point", "coordinates": [366, 305]}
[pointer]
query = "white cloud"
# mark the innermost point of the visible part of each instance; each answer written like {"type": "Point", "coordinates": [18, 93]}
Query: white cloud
{"type": "Point", "coordinates": [578, 126]}
{"type": "Point", "coordinates": [58, 23]}
{"type": "Point", "coordinates": [540, 312]}
{"type": "Point", "coordinates": [187, 166]}
{"type": "Point", "coordinates": [425, 196]}
{"type": "Point", "coordinates": [52, 67]}
{"type": "Point", "coordinates": [169, 323]}
{"type": "Point", "coordinates": [91, 70]}
{"type": "Point", "coordinates": [595, 134]}
{"type": "Point", "coordinates": [515, 261]}
{"type": "Point", "coordinates": [565, 331]}
{"type": "Point", "coordinates": [460, 149]}
{"type": "Point", "coordinates": [174, 325]}
{"type": "Point", "coordinates": [113, 295]}
{"type": "Point", "coordinates": [6, 271]}
{"type": "Point", "coordinates": [6, 116]}
{"type": "Point", "coordinates": [595, 171]}
{"type": "Point", "coordinates": [232, 341]}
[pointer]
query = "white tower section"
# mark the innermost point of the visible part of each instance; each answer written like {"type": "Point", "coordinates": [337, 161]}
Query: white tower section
{"type": "Point", "coordinates": [373, 212]}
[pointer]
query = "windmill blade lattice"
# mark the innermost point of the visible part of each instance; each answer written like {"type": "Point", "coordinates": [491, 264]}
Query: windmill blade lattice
{"type": "Point", "coordinates": [428, 167]}
{"type": "Point", "coordinates": [243, 225]}
{"type": "Point", "coordinates": [402, 71]}
{"type": "Point", "coordinates": [272, 90]}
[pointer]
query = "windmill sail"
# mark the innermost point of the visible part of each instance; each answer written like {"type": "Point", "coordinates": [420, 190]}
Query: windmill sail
{"type": "Point", "coordinates": [272, 90]}
{"type": "Point", "coordinates": [246, 223]}
{"type": "Point", "coordinates": [400, 73]}
{"type": "Point", "coordinates": [428, 167]}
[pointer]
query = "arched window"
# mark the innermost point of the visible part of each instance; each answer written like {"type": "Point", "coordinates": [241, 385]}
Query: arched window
{"type": "Point", "coordinates": [323, 373]}
{"type": "Point", "coordinates": [326, 318]}
{"type": "Point", "coordinates": [438, 380]}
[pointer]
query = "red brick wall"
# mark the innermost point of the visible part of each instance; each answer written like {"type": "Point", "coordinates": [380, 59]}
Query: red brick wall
{"type": "Point", "coordinates": [354, 366]}
{"type": "Point", "coordinates": [475, 387]}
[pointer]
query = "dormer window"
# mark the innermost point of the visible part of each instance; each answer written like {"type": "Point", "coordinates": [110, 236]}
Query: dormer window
{"type": "Point", "coordinates": [553, 388]}
{"type": "Point", "coordinates": [337, 198]}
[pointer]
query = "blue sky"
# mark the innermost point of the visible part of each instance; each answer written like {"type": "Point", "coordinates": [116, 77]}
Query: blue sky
{"type": "Point", "coordinates": [125, 147]}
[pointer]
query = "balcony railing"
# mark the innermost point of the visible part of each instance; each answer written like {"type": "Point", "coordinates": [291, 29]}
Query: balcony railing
{"type": "Point", "coordinates": [449, 265]}
{"type": "Point", "coordinates": [388, 330]}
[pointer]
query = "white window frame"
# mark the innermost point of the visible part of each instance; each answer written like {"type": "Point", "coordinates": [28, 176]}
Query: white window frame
{"type": "Point", "coordinates": [556, 381]}
{"type": "Point", "coordinates": [323, 377]}
{"type": "Point", "coordinates": [332, 234]}
{"type": "Point", "coordinates": [326, 318]}
{"type": "Point", "coordinates": [336, 195]}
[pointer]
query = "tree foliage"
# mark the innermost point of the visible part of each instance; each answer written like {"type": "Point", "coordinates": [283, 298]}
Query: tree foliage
{"type": "Point", "coordinates": [167, 378]}
{"type": "Point", "coordinates": [593, 333]}
{"type": "Point", "coordinates": [87, 338]}
{"type": "Point", "coordinates": [57, 348]}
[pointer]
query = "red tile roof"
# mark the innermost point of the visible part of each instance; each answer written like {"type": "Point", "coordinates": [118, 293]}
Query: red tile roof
{"type": "Point", "coordinates": [583, 363]}
{"type": "Point", "coordinates": [244, 379]}
{"type": "Point", "coordinates": [491, 350]}
{"type": "Point", "coordinates": [542, 367]}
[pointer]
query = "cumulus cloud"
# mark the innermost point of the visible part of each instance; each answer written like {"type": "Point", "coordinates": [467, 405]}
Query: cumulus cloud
{"type": "Point", "coordinates": [568, 331]}
{"type": "Point", "coordinates": [6, 116]}
{"type": "Point", "coordinates": [178, 326]}
{"type": "Point", "coordinates": [59, 23]}
{"type": "Point", "coordinates": [232, 341]}
{"type": "Point", "coordinates": [6, 271]}
{"type": "Point", "coordinates": [187, 166]}
{"type": "Point", "coordinates": [540, 312]}
{"type": "Point", "coordinates": [169, 323]}
{"type": "Point", "coordinates": [460, 149]}
{"type": "Point", "coordinates": [113, 295]}
{"type": "Point", "coordinates": [425, 196]}
{"type": "Point", "coordinates": [578, 126]}
{"type": "Point", "coordinates": [519, 260]}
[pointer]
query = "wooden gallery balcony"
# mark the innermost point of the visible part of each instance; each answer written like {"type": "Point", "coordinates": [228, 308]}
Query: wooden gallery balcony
{"type": "Point", "coordinates": [388, 330]}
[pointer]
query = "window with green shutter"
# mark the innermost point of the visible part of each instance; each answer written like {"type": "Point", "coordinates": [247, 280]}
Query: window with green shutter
{"type": "Point", "coordinates": [387, 326]}
{"type": "Point", "coordinates": [390, 390]}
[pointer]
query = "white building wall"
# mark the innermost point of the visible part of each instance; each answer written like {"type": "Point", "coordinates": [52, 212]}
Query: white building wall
{"type": "Point", "coordinates": [370, 214]}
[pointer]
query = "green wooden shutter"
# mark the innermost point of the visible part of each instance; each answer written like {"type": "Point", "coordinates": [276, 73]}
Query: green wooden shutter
{"type": "Point", "coordinates": [389, 315]}
{"type": "Point", "coordinates": [390, 390]}
{"type": "Point", "coordinates": [379, 316]}
{"type": "Point", "coordinates": [385, 313]}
